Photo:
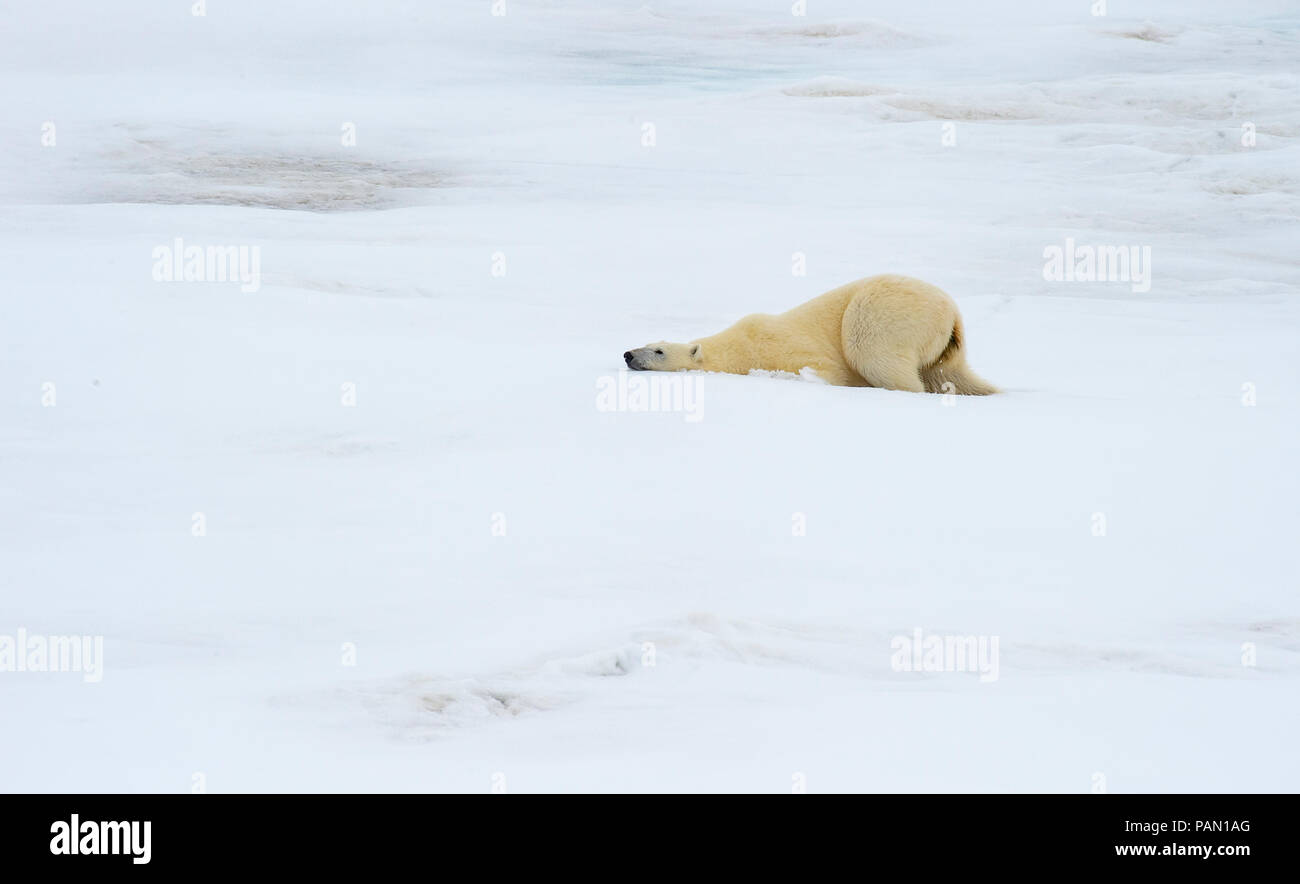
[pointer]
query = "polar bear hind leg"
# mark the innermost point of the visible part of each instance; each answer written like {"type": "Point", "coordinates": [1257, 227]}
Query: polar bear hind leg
{"type": "Point", "coordinates": [902, 334]}
{"type": "Point", "coordinates": [891, 371]}
{"type": "Point", "coordinates": [950, 373]}
{"type": "Point", "coordinates": [887, 345]}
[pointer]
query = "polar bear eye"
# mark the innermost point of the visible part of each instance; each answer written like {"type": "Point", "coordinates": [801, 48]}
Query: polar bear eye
{"type": "Point", "coordinates": [659, 352]}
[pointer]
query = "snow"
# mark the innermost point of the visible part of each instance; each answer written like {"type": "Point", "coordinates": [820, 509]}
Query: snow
{"type": "Point", "coordinates": [504, 558]}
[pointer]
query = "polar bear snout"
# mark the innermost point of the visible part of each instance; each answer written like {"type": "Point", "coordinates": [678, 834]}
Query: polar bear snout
{"type": "Point", "coordinates": [643, 358]}
{"type": "Point", "coordinates": [663, 357]}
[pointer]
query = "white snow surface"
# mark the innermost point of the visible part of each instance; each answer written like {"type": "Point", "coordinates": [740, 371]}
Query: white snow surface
{"type": "Point", "coordinates": [521, 659]}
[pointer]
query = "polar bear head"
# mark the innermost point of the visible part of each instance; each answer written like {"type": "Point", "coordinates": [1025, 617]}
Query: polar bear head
{"type": "Point", "coordinates": [664, 356]}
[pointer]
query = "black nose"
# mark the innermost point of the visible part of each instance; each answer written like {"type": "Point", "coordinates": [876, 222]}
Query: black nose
{"type": "Point", "coordinates": [627, 357]}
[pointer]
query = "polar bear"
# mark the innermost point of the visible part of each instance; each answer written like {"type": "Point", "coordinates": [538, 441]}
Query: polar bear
{"type": "Point", "coordinates": [885, 331]}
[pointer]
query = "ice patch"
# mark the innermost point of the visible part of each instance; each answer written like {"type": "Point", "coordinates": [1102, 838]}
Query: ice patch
{"type": "Point", "coordinates": [1251, 185]}
{"type": "Point", "coordinates": [875, 34]}
{"type": "Point", "coordinates": [424, 706]}
{"type": "Point", "coordinates": [202, 169]}
{"type": "Point", "coordinates": [341, 287]}
{"type": "Point", "coordinates": [1148, 33]}
{"type": "Point", "coordinates": [836, 87]}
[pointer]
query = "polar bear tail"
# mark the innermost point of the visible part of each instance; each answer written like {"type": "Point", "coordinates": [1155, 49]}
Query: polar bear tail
{"type": "Point", "coordinates": [950, 373]}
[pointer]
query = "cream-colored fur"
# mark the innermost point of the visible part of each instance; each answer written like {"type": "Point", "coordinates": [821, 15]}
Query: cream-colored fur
{"type": "Point", "coordinates": [883, 331]}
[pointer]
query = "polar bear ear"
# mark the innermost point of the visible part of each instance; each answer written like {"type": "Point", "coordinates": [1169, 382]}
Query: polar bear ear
{"type": "Point", "coordinates": [695, 351]}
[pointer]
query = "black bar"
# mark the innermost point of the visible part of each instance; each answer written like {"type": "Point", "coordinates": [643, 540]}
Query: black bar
{"type": "Point", "coordinates": [333, 833]}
